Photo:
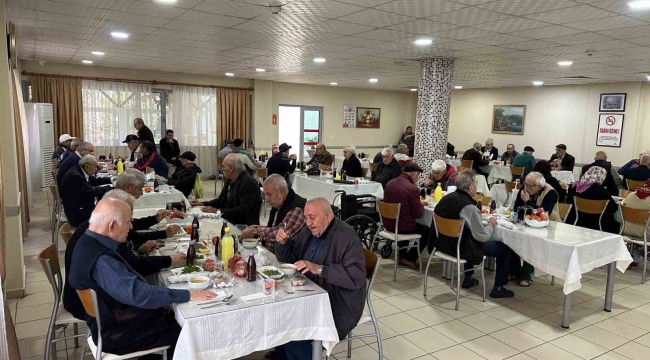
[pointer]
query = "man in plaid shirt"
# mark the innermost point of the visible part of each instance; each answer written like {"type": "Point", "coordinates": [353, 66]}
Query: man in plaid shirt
{"type": "Point", "coordinates": [286, 213]}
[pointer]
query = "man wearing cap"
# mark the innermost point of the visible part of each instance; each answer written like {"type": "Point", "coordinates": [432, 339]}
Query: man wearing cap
{"type": "Point", "coordinates": [64, 145]}
{"type": "Point", "coordinates": [133, 142]}
{"type": "Point", "coordinates": [402, 190]}
{"type": "Point", "coordinates": [185, 175]}
{"type": "Point", "coordinates": [525, 160]}
{"type": "Point", "coordinates": [144, 133]}
{"type": "Point", "coordinates": [562, 160]}
{"type": "Point", "coordinates": [282, 163]}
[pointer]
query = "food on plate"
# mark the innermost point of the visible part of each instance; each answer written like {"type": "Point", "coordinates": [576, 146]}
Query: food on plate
{"type": "Point", "coordinates": [271, 272]}
{"type": "Point", "coordinates": [233, 260]}
{"type": "Point", "coordinates": [298, 280]}
{"type": "Point", "coordinates": [197, 280]}
{"type": "Point", "coordinates": [208, 265]}
{"type": "Point", "coordinates": [485, 211]}
{"type": "Point", "coordinates": [147, 189]}
{"type": "Point", "coordinates": [188, 229]}
{"type": "Point", "coordinates": [177, 215]}
{"type": "Point", "coordinates": [527, 217]}
{"type": "Point", "coordinates": [200, 257]}
{"type": "Point", "coordinates": [190, 269]}
{"type": "Point", "coordinates": [544, 216]}
{"type": "Point", "coordinates": [240, 268]}
{"type": "Point", "coordinates": [287, 266]}
{"type": "Point", "coordinates": [203, 250]}
{"type": "Point", "coordinates": [535, 218]}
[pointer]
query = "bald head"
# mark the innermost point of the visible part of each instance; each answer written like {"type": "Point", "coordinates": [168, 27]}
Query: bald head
{"type": "Point", "coordinates": [601, 155]}
{"type": "Point", "coordinates": [645, 160]}
{"type": "Point", "coordinates": [318, 215]}
{"type": "Point", "coordinates": [111, 218]}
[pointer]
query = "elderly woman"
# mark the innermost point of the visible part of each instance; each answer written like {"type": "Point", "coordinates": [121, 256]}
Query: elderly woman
{"type": "Point", "coordinates": [590, 187]}
{"type": "Point", "coordinates": [184, 177]}
{"type": "Point", "coordinates": [408, 138]}
{"type": "Point", "coordinates": [441, 173]}
{"type": "Point", "coordinates": [351, 165]}
{"type": "Point", "coordinates": [544, 167]}
{"type": "Point", "coordinates": [150, 158]}
{"type": "Point", "coordinates": [639, 199]}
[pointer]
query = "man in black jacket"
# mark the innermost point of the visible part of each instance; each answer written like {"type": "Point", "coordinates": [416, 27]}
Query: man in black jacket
{"type": "Point", "coordinates": [612, 179]}
{"type": "Point", "coordinates": [562, 160]}
{"type": "Point", "coordinates": [169, 149]}
{"type": "Point", "coordinates": [282, 163]}
{"type": "Point", "coordinates": [388, 169]}
{"type": "Point", "coordinates": [83, 148]}
{"type": "Point", "coordinates": [80, 190]}
{"type": "Point", "coordinates": [144, 133]}
{"type": "Point", "coordinates": [240, 199]}
{"type": "Point", "coordinates": [477, 158]}
{"type": "Point", "coordinates": [489, 148]}
{"type": "Point", "coordinates": [639, 173]}
{"type": "Point", "coordinates": [185, 175]}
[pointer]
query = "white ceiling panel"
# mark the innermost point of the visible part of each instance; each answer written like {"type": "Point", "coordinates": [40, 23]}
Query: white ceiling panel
{"type": "Point", "coordinates": [133, 18]}
{"type": "Point", "coordinates": [581, 38]}
{"type": "Point", "coordinates": [571, 14]}
{"type": "Point", "coordinates": [340, 27]}
{"type": "Point", "coordinates": [524, 7]}
{"type": "Point", "coordinates": [354, 41]}
{"type": "Point", "coordinates": [418, 8]}
{"type": "Point", "coordinates": [193, 27]}
{"type": "Point", "coordinates": [530, 44]}
{"type": "Point", "coordinates": [422, 27]}
{"type": "Point", "coordinates": [373, 17]}
{"type": "Point", "coordinates": [469, 16]}
{"type": "Point", "coordinates": [364, 3]}
{"type": "Point", "coordinates": [499, 39]}
{"type": "Point", "coordinates": [323, 8]}
{"type": "Point", "coordinates": [231, 8]}
{"type": "Point", "coordinates": [511, 25]}
{"type": "Point", "coordinates": [464, 33]}
{"type": "Point", "coordinates": [68, 9]}
{"type": "Point", "coordinates": [548, 32]}
{"type": "Point", "coordinates": [609, 23]}
{"type": "Point", "coordinates": [148, 8]}
{"type": "Point", "coordinates": [210, 19]}
{"type": "Point", "coordinates": [383, 34]}
{"type": "Point", "coordinates": [627, 33]}
{"type": "Point", "coordinates": [245, 35]}
{"type": "Point", "coordinates": [67, 19]}
{"type": "Point", "coordinates": [617, 6]}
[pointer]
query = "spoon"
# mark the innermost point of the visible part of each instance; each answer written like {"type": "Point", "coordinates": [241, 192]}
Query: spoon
{"type": "Point", "coordinates": [221, 303]}
{"type": "Point", "coordinates": [293, 291]}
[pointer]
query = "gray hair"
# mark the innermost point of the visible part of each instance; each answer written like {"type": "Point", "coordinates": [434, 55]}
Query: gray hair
{"type": "Point", "coordinates": [278, 181]}
{"type": "Point", "coordinates": [233, 162]}
{"type": "Point", "coordinates": [107, 214]}
{"type": "Point", "coordinates": [76, 141]}
{"type": "Point", "coordinates": [387, 151]}
{"type": "Point", "coordinates": [401, 147]}
{"type": "Point", "coordinates": [351, 148]}
{"type": "Point", "coordinates": [489, 140]}
{"type": "Point", "coordinates": [322, 203]}
{"type": "Point", "coordinates": [131, 177]}
{"type": "Point", "coordinates": [645, 159]}
{"type": "Point", "coordinates": [84, 145]}
{"type": "Point", "coordinates": [88, 160]}
{"type": "Point", "coordinates": [538, 177]}
{"type": "Point", "coordinates": [139, 120]}
{"type": "Point", "coordinates": [120, 195]}
{"type": "Point", "coordinates": [477, 145]}
{"type": "Point", "coordinates": [646, 152]}
{"type": "Point", "coordinates": [464, 180]}
{"type": "Point", "coordinates": [438, 165]}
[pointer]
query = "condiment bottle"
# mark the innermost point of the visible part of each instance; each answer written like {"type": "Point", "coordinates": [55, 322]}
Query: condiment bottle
{"type": "Point", "coordinates": [479, 205]}
{"type": "Point", "coordinates": [155, 186]}
{"type": "Point", "coordinates": [251, 269]}
{"type": "Point", "coordinates": [120, 167]}
{"type": "Point", "coordinates": [437, 195]}
{"type": "Point", "coordinates": [191, 254]}
{"type": "Point", "coordinates": [227, 248]}
{"type": "Point", "coordinates": [493, 206]}
{"type": "Point", "coordinates": [195, 229]}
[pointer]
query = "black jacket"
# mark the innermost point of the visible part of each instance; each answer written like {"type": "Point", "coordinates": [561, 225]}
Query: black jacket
{"type": "Point", "coordinates": [449, 208]}
{"type": "Point", "coordinates": [451, 149]}
{"type": "Point", "coordinates": [494, 153]}
{"type": "Point", "coordinates": [595, 192]}
{"type": "Point", "coordinates": [241, 204]}
{"type": "Point", "coordinates": [168, 151]}
{"type": "Point", "coordinates": [609, 179]}
{"type": "Point", "coordinates": [280, 165]}
{"type": "Point", "coordinates": [79, 195]}
{"type": "Point", "coordinates": [555, 183]}
{"type": "Point", "coordinates": [568, 162]}
{"type": "Point", "coordinates": [292, 201]}
{"type": "Point", "coordinates": [183, 179]}
{"type": "Point", "coordinates": [145, 134]}
{"type": "Point", "coordinates": [352, 167]}
{"type": "Point", "coordinates": [386, 173]}
{"type": "Point", "coordinates": [639, 173]}
{"type": "Point", "coordinates": [67, 164]}
{"type": "Point", "coordinates": [478, 159]}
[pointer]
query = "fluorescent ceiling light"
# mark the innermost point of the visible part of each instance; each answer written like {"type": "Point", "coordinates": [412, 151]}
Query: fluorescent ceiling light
{"type": "Point", "coordinates": [334, 83]}
{"type": "Point", "coordinates": [166, 1]}
{"type": "Point", "coordinates": [97, 53]}
{"type": "Point", "coordinates": [423, 42]}
{"type": "Point", "coordinates": [230, 74]}
{"type": "Point", "coordinates": [641, 4]}
{"type": "Point", "coordinates": [565, 63]}
{"type": "Point", "coordinates": [319, 60]}
{"type": "Point", "coordinates": [86, 61]}
{"type": "Point", "coordinates": [538, 83]}
{"type": "Point", "coordinates": [414, 89]}
{"type": "Point", "coordinates": [260, 70]}
{"type": "Point", "coordinates": [458, 87]}
{"type": "Point", "coordinates": [119, 35]}
{"type": "Point", "coordinates": [373, 80]}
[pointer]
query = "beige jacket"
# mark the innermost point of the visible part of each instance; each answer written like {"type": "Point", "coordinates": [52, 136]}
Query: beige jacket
{"type": "Point", "coordinates": [635, 230]}
{"type": "Point", "coordinates": [555, 215]}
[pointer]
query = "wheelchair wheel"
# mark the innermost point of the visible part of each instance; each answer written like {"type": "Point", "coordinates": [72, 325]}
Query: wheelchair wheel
{"type": "Point", "coordinates": [365, 227]}
{"type": "Point", "coordinates": [387, 251]}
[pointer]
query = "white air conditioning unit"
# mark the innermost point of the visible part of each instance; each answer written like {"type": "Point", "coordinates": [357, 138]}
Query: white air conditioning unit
{"type": "Point", "coordinates": [40, 124]}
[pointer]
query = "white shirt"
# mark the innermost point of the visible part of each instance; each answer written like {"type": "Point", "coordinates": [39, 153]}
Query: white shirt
{"type": "Point", "coordinates": [402, 157]}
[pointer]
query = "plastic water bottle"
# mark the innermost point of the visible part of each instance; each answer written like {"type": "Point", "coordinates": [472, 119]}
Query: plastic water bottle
{"type": "Point", "coordinates": [120, 167]}
{"type": "Point", "coordinates": [437, 195]}
{"type": "Point", "coordinates": [227, 248]}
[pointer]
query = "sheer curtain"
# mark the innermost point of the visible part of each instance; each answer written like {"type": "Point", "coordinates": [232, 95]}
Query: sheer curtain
{"type": "Point", "coordinates": [108, 112]}
{"type": "Point", "coordinates": [194, 121]}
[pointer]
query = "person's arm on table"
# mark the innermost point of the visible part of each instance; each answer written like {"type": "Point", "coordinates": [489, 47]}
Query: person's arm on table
{"type": "Point", "coordinates": [472, 218]}
{"type": "Point", "coordinates": [144, 265]}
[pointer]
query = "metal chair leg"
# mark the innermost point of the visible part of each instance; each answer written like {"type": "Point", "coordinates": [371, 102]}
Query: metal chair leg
{"type": "Point", "coordinates": [645, 261]}
{"type": "Point", "coordinates": [483, 280]}
{"type": "Point", "coordinates": [457, 284]}
{"type": "Point", "coordinates": [82, 353]}
{"type": "Point", "coordinates": [349, 348]}
{"type": "Point", "coordinates": [396, 256]}
{"type": "Point", "coordinates": [552, 280]}
{"type": "Point", "coordinates": [75, 329]}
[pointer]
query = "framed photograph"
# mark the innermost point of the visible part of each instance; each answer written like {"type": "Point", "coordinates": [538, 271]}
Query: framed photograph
{"type": "Point", "coordinates": [508, 119]}
{"type": "Point", "coordinates": [368, 118]}
{"type": "Point", "coordinates": [613, 102]}
{"type": "Point", "coordinates": [610, 130]}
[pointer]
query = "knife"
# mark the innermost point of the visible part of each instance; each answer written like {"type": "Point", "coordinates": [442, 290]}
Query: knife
{"type": "Point", "coordinates": [223, 303]}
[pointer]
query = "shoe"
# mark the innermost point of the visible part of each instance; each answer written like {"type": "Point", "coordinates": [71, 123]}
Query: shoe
{"type": "Point", "coordinates": [634, 265]}
{"type": "Point", "coordinates": [272, 355]}
{"type": "Point", "coordinates": [470, 284]}
{"type": "Point", "coordinates": [501, 292]}
{"type": "Point", "coordinates": [525, 283]}
{"type": "Point", "coordinates": [405, 262]}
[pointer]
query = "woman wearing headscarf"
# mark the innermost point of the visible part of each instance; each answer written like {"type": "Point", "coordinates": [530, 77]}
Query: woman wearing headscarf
{"type": "Point", "coordinates": [590, 187]}
{"type": "Point", "coordinates": [544, 167]}
{"type": "Point", "coordinates": [408, 138]}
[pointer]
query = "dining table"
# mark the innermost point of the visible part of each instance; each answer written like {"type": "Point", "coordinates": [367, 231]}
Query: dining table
{"type": "Point", "coordinates": [317, 185]}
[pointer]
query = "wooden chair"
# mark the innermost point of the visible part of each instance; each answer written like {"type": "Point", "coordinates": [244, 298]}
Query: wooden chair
{"type": "Point", "coordinates": [392, 211]}
{"type": "Point", "coordinates": [373, 167]}
{"type": "Point", "coordinates": [58, 216]}
{"type": "Point", "coordinates": [596, 207]}
{"type": "Point", "coordinates": [219, 174]}
{"type": "Point", "coordinates": [511, 185]}
{"type": "Point", "coordinates": [517, 171]}
{"type": "Point", "coordinates": [461, 169]}
{"type": "Point", "coordinates": [454, 229]}
{"type": "Point", "coordinates": [633, 185]}
{"type": "Point", "coordinates": [637, 217]}
{"type": "Point", "coordinates": [485, 200]}
{"type": "Point", "coordinates": [148, 170]}
{"type": "Point", "coordinates": [53, 163]}
{"type": "Point", "coordinates": [564, 210]}
{"type": "Point", "coordinates": [91, 305]}
{"type": "Point", "coordinates": [66, 233]}
{"type": "Point", "coordinates": [467, 163]}
{"type": "Point", "coordinates": [323, 167]}
{"type": "Point", "coordinates": [364, 172]}
{"type": "Point", "coordinates": [625, 193]}
{"type": "Point", "coordinates": [60, 318]}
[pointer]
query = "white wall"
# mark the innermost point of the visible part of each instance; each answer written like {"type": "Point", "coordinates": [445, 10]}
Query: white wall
{"type": "Point", "coordinates": [554, 114]}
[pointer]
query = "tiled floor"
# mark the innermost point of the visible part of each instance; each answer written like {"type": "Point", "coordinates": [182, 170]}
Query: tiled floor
{"type": "Point", "coordinates": [427, 328]}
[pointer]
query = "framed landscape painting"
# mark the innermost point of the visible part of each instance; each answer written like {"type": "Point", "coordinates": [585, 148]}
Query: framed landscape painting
{"type": "Point", "coordinates": [508, 119]}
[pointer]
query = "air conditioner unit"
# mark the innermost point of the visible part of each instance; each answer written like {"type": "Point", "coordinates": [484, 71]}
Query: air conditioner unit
{"type": "Point", "coordinates": [40, 124]}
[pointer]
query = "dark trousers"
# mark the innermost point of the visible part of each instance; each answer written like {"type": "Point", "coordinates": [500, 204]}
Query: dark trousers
{"type": "Point", "coordinates": [295, 350]}
{"type": "Point", "coordinates": [168, 335]}
{"type": "Point", "coordinates": [523, 272]}
{"type": "Point", "coordinates": [412, 254]}
{"type": "Point", "coordinates": [503, 255]}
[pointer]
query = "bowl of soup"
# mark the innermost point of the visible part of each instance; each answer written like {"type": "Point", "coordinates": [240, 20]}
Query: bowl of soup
{"type": "Point", "coordinates": [249, 243]}
{"type": "Point", "coordinates": [199, 282]}
{"type": "Point", "coordinates": [168, 250]}
{"type": "Point", "coordinates": [288, 269]}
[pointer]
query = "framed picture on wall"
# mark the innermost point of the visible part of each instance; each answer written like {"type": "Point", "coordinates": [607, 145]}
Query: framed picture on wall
{"type": "Point", "coordinates": [508, 119]}
{"type": "Point", "coordinates": [613, 102]}
{"type": "Point", "coordinates": [368, 118]}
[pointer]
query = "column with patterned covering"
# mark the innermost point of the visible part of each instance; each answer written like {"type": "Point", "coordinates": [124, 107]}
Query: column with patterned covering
{"type": "Point", "coordinates": [434, 102]}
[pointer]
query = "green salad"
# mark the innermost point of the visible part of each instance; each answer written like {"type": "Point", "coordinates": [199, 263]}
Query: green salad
{"type": "Point", "coordinates": [190, 269]}
{"type": "Point", "coordinates": [201, 257]}
{"type": "Point", "coordinates": [270, 272]}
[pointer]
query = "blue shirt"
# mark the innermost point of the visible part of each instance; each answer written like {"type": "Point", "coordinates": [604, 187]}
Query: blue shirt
{"type": "Point", "coordinates": [125, 285]}
{"type": "Point", "coordinates": [314, 249]}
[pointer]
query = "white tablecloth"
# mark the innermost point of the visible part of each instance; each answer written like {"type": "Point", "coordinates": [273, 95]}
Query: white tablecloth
{"type": "Point", "coordinates": [498, 193]}
{"type": "Point", "coordinates": [566, 176]}
{"type": "Point", "coordinates": [481, 185]}
{"type": "Point", "coordinates": [427, 218]}
{"type": "Point", "coordinates": [566, 251]}
{"type": "Point", "coordinates": [159, 200]}
{"type": "Point", "coordinates": [497, 172]}
{"type": "Point", "coordinates": [313, 186]}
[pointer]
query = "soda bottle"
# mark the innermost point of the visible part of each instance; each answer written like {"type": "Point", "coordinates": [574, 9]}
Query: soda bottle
{"type": "Point", "coordinates": [344, 176]}
{"type": "Point", "coordinates": [195, 222]}
{"type": "Point", "coordinates": [223, 228]}
{"type": "Point", "coordinates": [251, 268]}
{"type": "Point", "coordinates": [493, 206]}
{"type": "Point", "coordinates": [479, 205]}
{"type": "Point", "coordinates": [191, 254]}
{"type": "Point", "coordinates": [155, 186]}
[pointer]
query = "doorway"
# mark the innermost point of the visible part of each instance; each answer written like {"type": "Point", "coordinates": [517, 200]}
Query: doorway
{"type": "Point", "coordinates": [300, 127]}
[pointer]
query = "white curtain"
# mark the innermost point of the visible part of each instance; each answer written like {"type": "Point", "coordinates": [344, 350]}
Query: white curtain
{"type": "Point", "coordinates": [109, 109]}
{"type": "Point", "coordinates": [193, 117]}
{"type": "Point", "coordinates": [23, 121]}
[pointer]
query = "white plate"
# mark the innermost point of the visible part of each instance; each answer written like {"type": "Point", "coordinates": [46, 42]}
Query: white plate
{"type": "Point", "coordinates": [537, 224]}
{"type": "Point", "coordinates": [276, 277]}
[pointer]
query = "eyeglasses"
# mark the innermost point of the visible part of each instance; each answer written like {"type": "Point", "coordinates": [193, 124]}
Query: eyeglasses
{"type": "Point", "coordinates": [529, 185]}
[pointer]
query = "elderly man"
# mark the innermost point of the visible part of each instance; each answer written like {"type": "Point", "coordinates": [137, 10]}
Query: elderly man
{"type": "Point", "coordinates": [490, 149]}
{"type": "Point", "coordinates": [612, 179]}
{"type": "Point", "coordinates": [351, 165]}
{"type": "Point", "coordinates": [144, 265]}
{"type": "Point", "coordinates": [321, 157]}
{"type": "Point", "coordinates": [329, 252]}
{"type": "Point", "coordinates": [135, 315]}
{"type": "Point", "coordinates": [632, 163]}
{"type": "Point", "coordinates": [562, 160]}
{"type": "Point", "coordinates": [441, 173]}
{"type": "Point", "coordinates": [133, 143]}
{"type": "Point", "coordinates": [185, 175]}
{"type": "Point", "coordinates": [477, 157]}
{"type": "Point", "coordinates": [402, 155]}
{"type": "Point", "coordinates": [80, 189]}
{"type": "Point", "coordinates": [144, 133]}
{"type": "Point", "coordinates": [282, 163]}
{"type": "Point", "coordinates": [226, 149]}
{"type": "Point", "coordinates": [638, 173]}
{"type": "Point", "coordinates": [402, 190]}
{"type": "Point", "coordinates": [537, 194]}
{"type": "Point", "coordinates": [82, 149]}
{"type": "Point", "coordinates": [169, 148]}
{"type": "Point", "coordinates": [286, 213]}
{"type": "Point", "coordinates": [151, 159]}
{"type": "Point", "coordinates": [388, 169]}
{"type": "Point", "coordinates": [64, 145]}
{"type": "Point", "coordinates": [478, 240]}
{"type": "Point", "coordinates": [239, 201]}
{"type": "Point", "coordinates": [74, 144]}
{"type": "Point", "coordinates": [378, 157]}
{"type": "Point", "coordinates": [508, 157]}
{"type": "Point", "coordinates": [239, 149]}
{"type": "Point", "coordinates": [525, 160]}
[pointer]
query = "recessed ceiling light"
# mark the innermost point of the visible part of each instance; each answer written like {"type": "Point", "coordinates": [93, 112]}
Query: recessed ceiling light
{"type": "Point", "coordinates": [334, 83]}
{"type": "Point", "coordinates": [319, 60]}
{"type": "Point", "coordinates": [260, 70]}
{"type": "Point", "coordinates": [414, 89]}
{"type": "Point", "coordinates": [373, 80]}
{"type": "Point", "coordinates": [119, 35]}
{"type": "Point", "coordinates": [97, 53]}
{"type": "Point", "coordinates": [423, 42]}
{"type": "Point", "coordinates": [641, 4]}
{"type": "Point", "coordinates": [230, 74]}
{"type": "Point", "coordinates": [647, 77]}
{"type": "Point", "coordinates": [458, 87]}
{"type": "Point", "coordinates": [538, 83]}
{"type": "Point", "coordinates": [565, 63]}
{"type": "Point", "coordinates": [166, 1]}
{"type": "Point", "coordinates": [87, 61]}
